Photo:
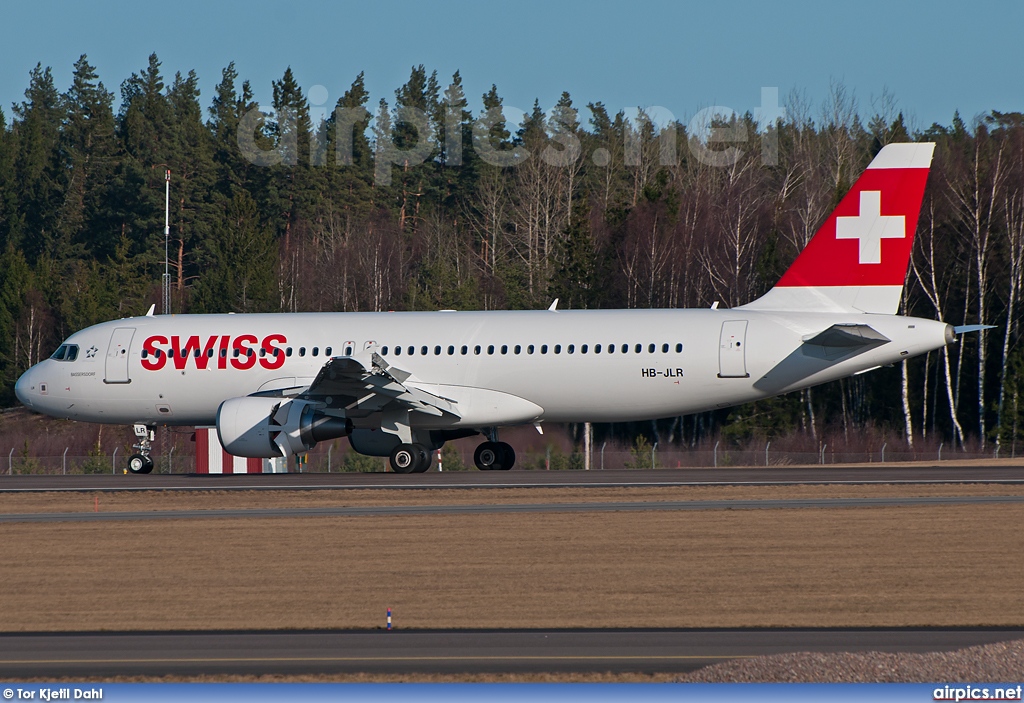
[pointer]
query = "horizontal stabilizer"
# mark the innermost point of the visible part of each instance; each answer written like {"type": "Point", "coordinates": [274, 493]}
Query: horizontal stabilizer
{"type": "Point", "coordinates": [848, 336]}
{"type": "Point", "coordinates": [964, 329]}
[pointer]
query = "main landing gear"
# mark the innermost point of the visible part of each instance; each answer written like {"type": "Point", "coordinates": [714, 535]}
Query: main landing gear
{"type": "Point", "coordinates": [142, 463]}
{"type": "Point", "coordinates": [494, 456]}
{"type": "Point", "coordinates": [410, 459]}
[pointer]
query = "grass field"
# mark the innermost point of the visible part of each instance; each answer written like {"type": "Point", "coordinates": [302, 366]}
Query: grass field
{"type": "Point", "coordinates": [893, 566]}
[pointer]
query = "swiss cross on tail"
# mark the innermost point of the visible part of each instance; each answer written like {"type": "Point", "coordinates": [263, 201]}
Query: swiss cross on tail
{"type": "Point", "coordinates": [858, 258]}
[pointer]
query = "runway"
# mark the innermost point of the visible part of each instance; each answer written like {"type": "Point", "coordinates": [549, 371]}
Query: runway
{"type": "Point", "coordinates": [614, 506]}
{"type": "Point", "coordinates": [327, 652]}
{"type": "Point", "coordinates": [773, 476]}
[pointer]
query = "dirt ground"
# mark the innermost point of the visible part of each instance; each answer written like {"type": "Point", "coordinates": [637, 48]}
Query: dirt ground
{"type": "Point", "coordinates": [894, 566]}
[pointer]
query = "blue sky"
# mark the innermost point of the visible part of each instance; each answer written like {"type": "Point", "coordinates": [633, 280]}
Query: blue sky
{"type": "Point", "coordinates": [934, 57]}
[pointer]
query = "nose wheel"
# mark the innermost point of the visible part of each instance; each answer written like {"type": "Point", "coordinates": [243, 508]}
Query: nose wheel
{"type": "Point", "coordinates": [494, 456]}
{"type": "Point", "coordinates": [142, 463]}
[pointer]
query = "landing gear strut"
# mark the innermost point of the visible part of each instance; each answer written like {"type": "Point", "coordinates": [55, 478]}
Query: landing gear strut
{"type": "Point", "coordinates": [142, 463]}
{"type": "Point", "coordinates": [410, 459]}
{"type": "Point", "coordinates": [494, 456]}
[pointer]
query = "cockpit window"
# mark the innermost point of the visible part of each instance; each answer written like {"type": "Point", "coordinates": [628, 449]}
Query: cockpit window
{"type": "Point", "coordinates": [66, 352]}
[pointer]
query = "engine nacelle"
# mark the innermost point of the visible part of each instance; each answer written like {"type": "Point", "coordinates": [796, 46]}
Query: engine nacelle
{"type": "Point", "coordinates": [273, 427]}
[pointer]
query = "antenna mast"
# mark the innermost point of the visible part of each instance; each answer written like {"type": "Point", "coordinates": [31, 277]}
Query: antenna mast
{"type": "Point", "coordinates": [167, 236]}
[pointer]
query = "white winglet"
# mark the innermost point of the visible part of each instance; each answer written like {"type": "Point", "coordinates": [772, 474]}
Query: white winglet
{"type": "Point", "coordinates": [152, 309]}
{"type": "Point", "coordinates": [554, 305]}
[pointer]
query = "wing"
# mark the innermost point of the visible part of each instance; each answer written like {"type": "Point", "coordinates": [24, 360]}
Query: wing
{"type": "Point", "coordinates": [362, 387]}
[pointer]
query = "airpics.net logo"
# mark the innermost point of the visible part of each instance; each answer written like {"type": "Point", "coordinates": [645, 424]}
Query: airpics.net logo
{"type": "Point", "coordinates": [978, 693]}
{"type": "Point", "coordinates": [268, 137]}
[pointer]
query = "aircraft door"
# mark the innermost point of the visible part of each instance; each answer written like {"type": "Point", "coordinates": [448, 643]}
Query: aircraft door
{"type": "Point", "coordinates": [117, 356]}
{"type": "Point", "coordinates": [732, 350]}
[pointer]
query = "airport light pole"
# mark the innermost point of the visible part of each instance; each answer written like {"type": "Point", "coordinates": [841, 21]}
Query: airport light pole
{"type": "Point", "coordinates": [167, 243]}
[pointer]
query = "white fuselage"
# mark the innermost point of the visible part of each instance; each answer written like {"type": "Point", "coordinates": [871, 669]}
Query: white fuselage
{"type": "Point", "coordinates": [500, 368]}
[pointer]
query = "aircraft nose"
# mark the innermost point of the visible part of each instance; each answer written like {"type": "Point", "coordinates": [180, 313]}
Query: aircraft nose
{"type": "Point", "coordinates": [21, 389]}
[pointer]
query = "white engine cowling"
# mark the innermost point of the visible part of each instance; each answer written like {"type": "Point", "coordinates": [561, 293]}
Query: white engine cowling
{"type": "Point", "coordinates": [272, 427]}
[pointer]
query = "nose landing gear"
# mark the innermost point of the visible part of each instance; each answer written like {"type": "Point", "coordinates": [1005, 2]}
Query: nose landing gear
{"type": "Point", "coordinates": [142, 463]}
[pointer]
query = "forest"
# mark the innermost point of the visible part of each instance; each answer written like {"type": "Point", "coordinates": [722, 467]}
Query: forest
{"type": "Point", "coordinates": [415, 202]}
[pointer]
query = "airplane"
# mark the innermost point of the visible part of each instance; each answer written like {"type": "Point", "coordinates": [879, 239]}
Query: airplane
{"type": "Point", "coordinates": [401, 384]}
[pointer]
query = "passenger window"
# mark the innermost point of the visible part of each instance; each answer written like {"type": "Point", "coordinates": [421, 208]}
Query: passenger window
{"type": "Point", "coordinates": [490, 349]}
{"type": "Point", "coordinates": [348, 351]}
{"type": "Point", "coordinates": [679, 348]}
{"type": "Point", "coordinates": [625, 348]}
{"type": "Point", "coordinates": [263, 352]}
{"type": "Point", "coordinates": [316, 351]}
{"type": "Point", "coordinates": [250, 352]}
{"type": "Point", "coordinates": [583, 349]}
{"type": "Point", "coordinates": [518, 349]}
{"type": "Point", "coordinates": [234, 353]}
{"type": "Point", "coordinates": [543, 348]}
{"type": "Point", "coordinates": [529, 349]}
{"type": "Point", "coordinates": [465, 350]}
{"type": "Point", "coordinates": [145, 354]}
{"type": "Point", "coordinates": [558, 348]}
{"type": "Point", "coordinates": [411, 350]}
{"type": "Point", "coordinates": [451, 350]}
{"type": "Point", "coordinates": [423, 351]}
{"type": "Point", "coordinates": [398, 351]}
{"type": "Point", "coordinates": [327, 351]}
{"type": "Point", "coordinates": [597, 348]}
{"type": "Point", "coordinates": [504, 349]}
{"type": "Point", "coordinates": [664, 349]}
{"type": "Point", "coordinates": [287, 352]}
{"type": "Point", "coordinates": [638, 348]}
{"type": "Point", "coordinates": [571, 348]}
{"type": "Point", "coordinates": [384, 350]}
{"type": "Point", "coordinates": [611, 348]}
{"type": "Point", "coordinates": [650, 348]}
{"type": "Point", "coordinates": [437, 351]}
{"type": "Point", "coordinates": [209, 352]}
{"type": "Point", "coordinates": [476, 349]}
{"type": "Point", "coordinates": [302, 351]}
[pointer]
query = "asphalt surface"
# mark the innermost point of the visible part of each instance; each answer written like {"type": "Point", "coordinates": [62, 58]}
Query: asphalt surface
{"type": "Point", "coordinates": [890, 473]}
{"type": "Point", "coordinates": [291, 652]}
{"type": "Point", "coordinates": [612, 506]}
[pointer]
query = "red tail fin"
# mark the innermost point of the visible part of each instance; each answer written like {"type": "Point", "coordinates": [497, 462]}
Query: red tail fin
{"type": "Point", "coordinates": [857, 260]}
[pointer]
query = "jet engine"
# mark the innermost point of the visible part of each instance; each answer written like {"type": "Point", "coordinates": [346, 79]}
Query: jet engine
{"type": "Point", "coordinates": [273, 427]}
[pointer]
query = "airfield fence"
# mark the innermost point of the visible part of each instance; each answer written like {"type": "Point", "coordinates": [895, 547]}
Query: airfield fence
{"type": "Point", "coordinates": [15, 463]}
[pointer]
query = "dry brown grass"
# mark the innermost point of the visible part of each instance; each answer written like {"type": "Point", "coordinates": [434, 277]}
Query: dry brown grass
{"type": "Point", "coordinates": [935, 565]}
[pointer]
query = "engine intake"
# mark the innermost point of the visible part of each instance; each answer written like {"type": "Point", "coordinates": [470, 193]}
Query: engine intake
{"type": "Point", "coordinates": [273, 427]}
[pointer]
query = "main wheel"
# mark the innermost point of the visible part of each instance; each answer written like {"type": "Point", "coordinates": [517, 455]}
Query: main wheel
{"type": "Point", "coordinates": [425, 459]}
{"type": "Point", "coordinates": [139, 464]}
{"type": "Point", "coordinates": [406, 458]}
{"type": "Point", "coordinates": [494, 456]}
{"type": "Point", "coordinates": [486, 456]}
{"type": "Point", "coordinates": [507, 455]}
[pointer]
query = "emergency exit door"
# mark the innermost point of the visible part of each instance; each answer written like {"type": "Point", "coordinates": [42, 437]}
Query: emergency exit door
{"type": "Point", "coordinates": [732, 350]}
{"type": "Point", "coordinates": [117, 355]}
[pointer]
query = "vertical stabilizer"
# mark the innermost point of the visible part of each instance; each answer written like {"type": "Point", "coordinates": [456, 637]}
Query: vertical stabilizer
{"type": "Point", "coordinates": [857, 260]}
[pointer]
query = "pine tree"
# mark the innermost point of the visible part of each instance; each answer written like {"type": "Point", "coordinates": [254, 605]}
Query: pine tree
{"type": "Point", "coordinates": [37, 131]}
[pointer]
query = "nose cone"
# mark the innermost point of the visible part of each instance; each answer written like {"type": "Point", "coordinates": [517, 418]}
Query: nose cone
{"type": "Point", "coordinates": [21, 389]}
